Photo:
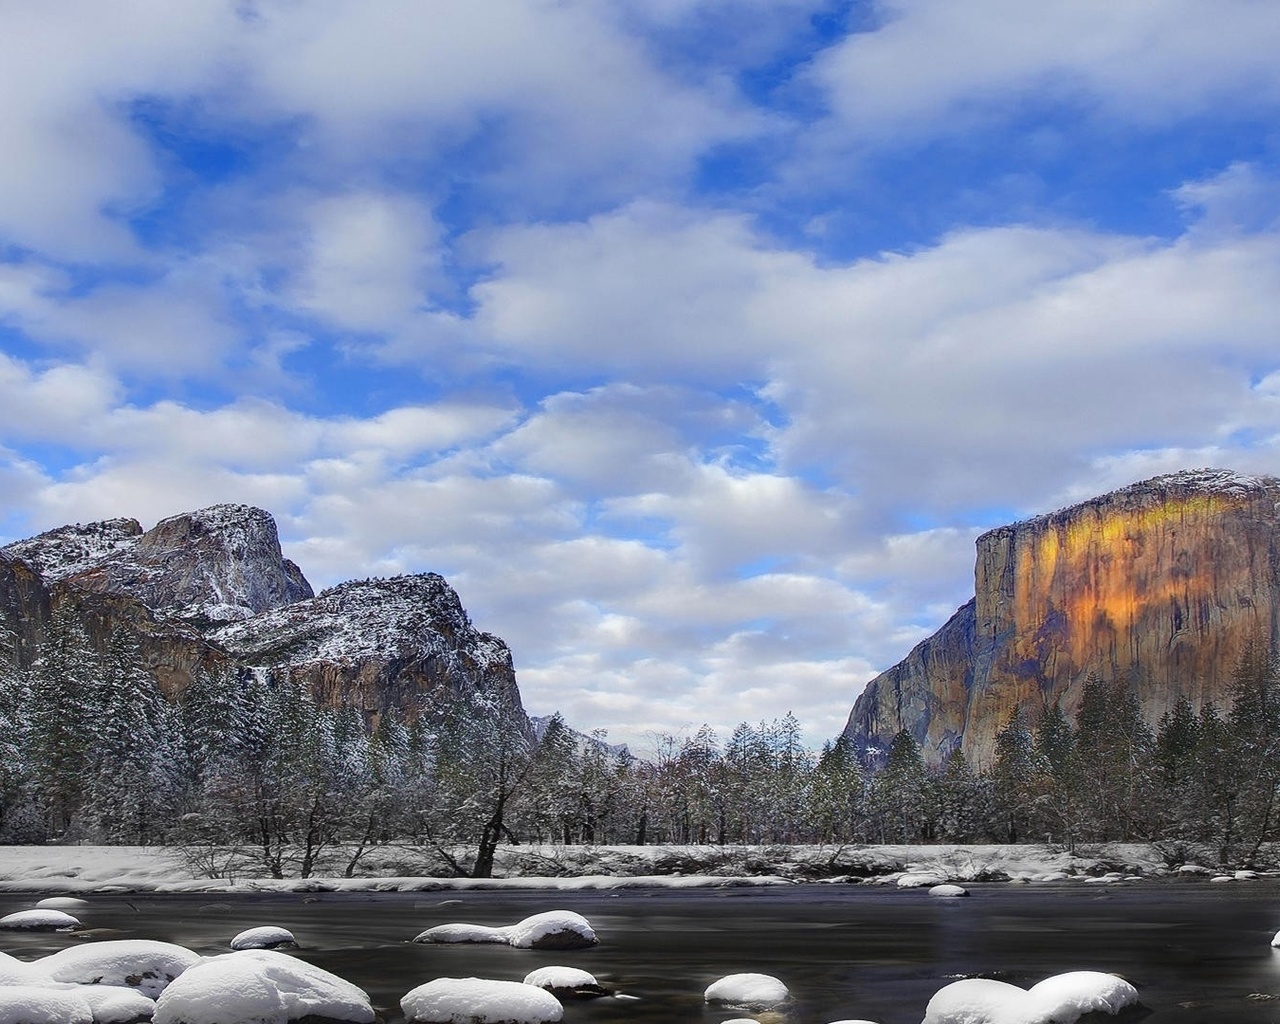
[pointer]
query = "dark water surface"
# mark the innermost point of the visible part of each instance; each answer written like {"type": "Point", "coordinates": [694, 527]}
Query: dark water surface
{"type": "Point", "coordinates": [1197, 952]}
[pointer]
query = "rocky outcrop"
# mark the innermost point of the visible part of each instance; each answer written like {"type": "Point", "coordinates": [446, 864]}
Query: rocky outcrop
{"type": "Point", "coordinates": [1161, 584]}
{"type": "Point", "coordinates": [211, 589]}
{"type": "Point", "coordinates": [376, 645]}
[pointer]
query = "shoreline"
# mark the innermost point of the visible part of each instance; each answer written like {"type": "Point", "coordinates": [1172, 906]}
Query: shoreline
{"type": "Point", "coordinates": [115, 869]}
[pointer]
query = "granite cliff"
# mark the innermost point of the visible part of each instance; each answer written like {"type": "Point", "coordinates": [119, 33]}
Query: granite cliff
{"type": "Point", "coordinates": [1161, 584]}
{"type": "Point", "coordinates": [211, 589]}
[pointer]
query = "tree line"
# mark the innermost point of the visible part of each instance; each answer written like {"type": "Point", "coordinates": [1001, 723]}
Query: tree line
{"type": "Point", "coordinates": [240, 765]}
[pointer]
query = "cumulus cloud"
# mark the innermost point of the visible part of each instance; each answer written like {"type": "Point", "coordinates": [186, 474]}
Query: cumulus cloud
{"type": "Point", "coordinates": [931, 66]}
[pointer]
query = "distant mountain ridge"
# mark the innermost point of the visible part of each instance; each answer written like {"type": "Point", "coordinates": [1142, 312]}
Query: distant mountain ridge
{"type": "Point", "coordinates": [1162, 584]}
{"type": "Point", "coordinates": [211, 589]}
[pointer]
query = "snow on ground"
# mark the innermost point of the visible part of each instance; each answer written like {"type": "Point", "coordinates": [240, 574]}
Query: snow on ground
{"type": "Point", "coordinates": [261, 986]}
{"type": "Point", "coordinates": [749, 991]}
{"type": "Point", "coordinates": [148, 965]}
{"type": "Point", "coordinates": [81, 870]}
{"type": "Point", "coordinates": [479, 1001]}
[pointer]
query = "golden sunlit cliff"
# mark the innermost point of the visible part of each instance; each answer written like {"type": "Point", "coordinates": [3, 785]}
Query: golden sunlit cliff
{"type": "Point", "coordinates": [1161, 583]}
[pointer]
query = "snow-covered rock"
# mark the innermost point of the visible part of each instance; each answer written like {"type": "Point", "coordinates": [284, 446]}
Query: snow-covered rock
{"type": "Point", "coordinates": [1193, 870]}
{"type": "Point", "coordinates": [263, 937]}
{"type": "Point", "coordinates": [753, 991]}
{"type": "Point", "coordinates": [31, 1004]}
{"type": "Point", "coordinates": [461, 932]}
{"type": "Point", "coordinates": [949, 890]}
{"type": "Point", "coordinates": [260, 986]}
{"type": "Point", "coordinates": [145, 964]}
{"type": "Point", "coordinates": [1245, 875]}
{"type": "Point", "coordinates": [111, 1004]}
{"type": "Point", "coordinates": [19, 972]}
{"type": "Point", "coordinates": [479, 1001]}
{"type": "Point", "coordinates": [1067, 997]}
{"type": "Point", "coordinates": [39, 920]}
{"type": "Point", "coordinates": [66, 903]}
{"type": "Point", "coordinates": [566, 982]}
{"type": "Point", "coordinates": [555, 929]}
{"type": "Point", "coordinates": [1061, 999]}
{"type": "Point", "coordinates": [977, 1001]}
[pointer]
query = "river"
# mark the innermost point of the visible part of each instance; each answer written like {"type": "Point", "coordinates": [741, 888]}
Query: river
{"type": "Point", "coordinates": [1197, 952]}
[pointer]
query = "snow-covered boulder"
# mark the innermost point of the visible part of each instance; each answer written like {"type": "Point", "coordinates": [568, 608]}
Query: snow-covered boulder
{"type": "Point", "coordinates": [40, 920]}
{"type": "Point", "coordinates": [462, 933]}
{"type": "Point", "coordinates": [752, 991]}
{"type": "Point", "coordinates": [949, 890]}
{"type": "Point", "coordinates": [1061, 999]}
{"type": "Point", "coordinates": [147, 965]}
{"type": "Point", "coordinates": [853, 1022]}
{"type": "Point", "coordinates": [61, 903]}
{"type": "Point", "coordinates": [479, 1001]}
{"type": "Point", "coordinates": [1245, 875]}
{"type": "Point", "coordinates": [1223, 878]}
{"type": "Point", "coordinates": [977, 1001]}
{"type": "Point", "coordinates": [32, 1004]}
{"type": "Point", "coordinates": [1067, 997]}
{"type": "Point", "coordinates": [111, 1004]}
{"type": "Point", "coordinates": [263, 937]}
{"type": "Point", "coordinates": [556, 929]}
{"type": "Point", "coordinates": [260, 986]}
{"type": "Point", "coordinates": [19, 972]}
{"type": "Point", "coordinates": [1193, 870]}
{"type": "Point", "coordinates": [566, 982]}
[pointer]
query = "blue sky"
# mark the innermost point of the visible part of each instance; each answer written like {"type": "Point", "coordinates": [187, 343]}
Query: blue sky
{"type": "Point", "coordinates": [693, 341]}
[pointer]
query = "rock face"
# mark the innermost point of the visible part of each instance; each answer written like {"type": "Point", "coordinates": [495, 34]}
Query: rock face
{"type": "Point", "coordinates": [1161, 584]}
{"type": "Point", "coordinates": [211, 589]}
{"type": "Point", "coordinates": [376, 645]}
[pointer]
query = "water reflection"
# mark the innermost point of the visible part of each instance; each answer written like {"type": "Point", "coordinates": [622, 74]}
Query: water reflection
{"type": "Point", "coordinates": [1196, 952]}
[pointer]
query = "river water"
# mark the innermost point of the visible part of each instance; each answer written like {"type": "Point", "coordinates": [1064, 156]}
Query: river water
{"type": "Point", "coordinates": [1197, 952]}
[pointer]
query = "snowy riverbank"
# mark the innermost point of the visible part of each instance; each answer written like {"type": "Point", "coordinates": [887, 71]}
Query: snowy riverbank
{"type": "Point", "coordinates": [72, 869]}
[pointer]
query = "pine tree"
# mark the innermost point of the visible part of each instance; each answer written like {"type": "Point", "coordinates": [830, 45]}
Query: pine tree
{"type": "Point", "coordinates": [897, 792]}
{"type": "Point", "coordinates": [1013, 774]}
{"type": "Point", "coordinates": [126, 785]}
{"type": "Point", "coordinates": [63, 717]}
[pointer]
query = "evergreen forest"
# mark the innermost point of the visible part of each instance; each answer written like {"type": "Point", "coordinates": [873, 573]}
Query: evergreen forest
{"type": "Point", "coordinates": [91, 750]}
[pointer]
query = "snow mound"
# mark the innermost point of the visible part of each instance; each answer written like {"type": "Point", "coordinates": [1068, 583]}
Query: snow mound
{"type": "Point", "coordinates": [1061, 999]}
{"type": "Point", "coordinates": [61, 903]}
{"type": "Point", "coordinates": [478, 1001]}
{"type": "Point", "coordinates": [147, 965]}
{"type": "Point", "coordinates": [948, 890]}
{"type": "Point", "coordinates": [977, 1001]}
{"type": "Point", "coordinates": [566, 982]}
{"type": "Point", "coordinates": [853, 1022]}
{"type": "Point", "coordinates": [556, 929]}
{"type": "Point", "coordinates": [919, 879]}
{"type": "Point", "coordinates": [259, 986]}
{"type": "Point", "coordinates": [462, 933]}
{"type": "Point", "coordinates": [753, 991]}
{"type": "Point", "coordinates": [31, 1004]}
{"type": "Point", "coordinates": [1067, 997]}
{"type": "Point", "coordinates": [39, 920]}
{"type": "Point", "coordinates": [111, 1004]}
{"type": "Point", "coordinates": [18, 972]}
{"type": "Point", "coordinates": [264, 937]}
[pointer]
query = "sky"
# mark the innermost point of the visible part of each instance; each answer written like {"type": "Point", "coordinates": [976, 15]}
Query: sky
{"type": "Point", "coordinates": [693, 341]}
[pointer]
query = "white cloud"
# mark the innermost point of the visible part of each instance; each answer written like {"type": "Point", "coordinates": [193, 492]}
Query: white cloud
{"type": "Point", "coordinates": [935, 66]}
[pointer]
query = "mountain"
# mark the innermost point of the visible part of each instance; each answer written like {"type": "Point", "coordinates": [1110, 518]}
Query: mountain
{"type": "Point", "coordinates": [211, 589]}
{"type": "Point", "coordinates": [1161, 584]}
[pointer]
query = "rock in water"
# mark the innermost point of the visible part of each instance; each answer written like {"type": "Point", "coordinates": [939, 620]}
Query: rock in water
{"type": "Point", "coordinates": [1164, 583]}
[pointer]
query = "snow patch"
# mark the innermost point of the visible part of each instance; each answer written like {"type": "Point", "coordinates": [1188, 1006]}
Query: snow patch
{"type": "Point", "coordinates": [28, 1004]}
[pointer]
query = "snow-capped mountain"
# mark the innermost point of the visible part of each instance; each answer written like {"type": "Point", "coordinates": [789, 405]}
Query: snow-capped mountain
{"type": "Point", "coordinates": [211, 588]}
